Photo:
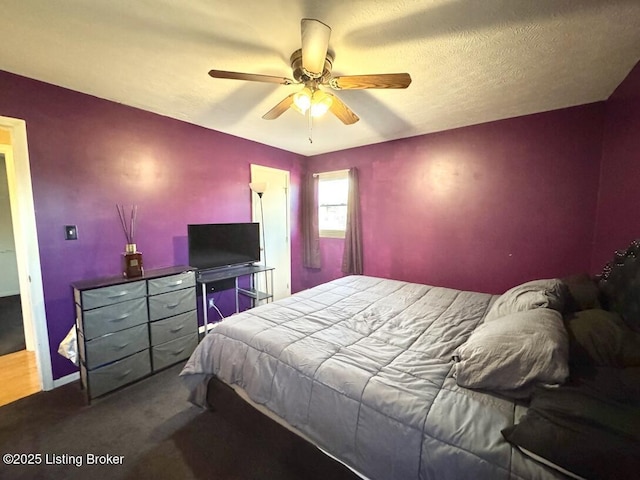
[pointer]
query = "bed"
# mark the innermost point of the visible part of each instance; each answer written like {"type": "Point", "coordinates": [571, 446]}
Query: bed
{"type": "Point", "coordinates": [401, 380]}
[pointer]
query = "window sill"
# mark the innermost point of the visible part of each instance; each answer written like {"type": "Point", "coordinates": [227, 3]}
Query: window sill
{"type": "Point", "coordinates": [331, 233]}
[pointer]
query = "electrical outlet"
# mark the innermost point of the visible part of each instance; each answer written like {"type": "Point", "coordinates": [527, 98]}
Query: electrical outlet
{"type": "Point", "coordinates": [70, 232]}
{"type": "Point", "coordinates": [212, 303]}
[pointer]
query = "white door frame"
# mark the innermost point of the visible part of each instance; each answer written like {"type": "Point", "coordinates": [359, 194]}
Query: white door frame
{"type": "Point", "coordinates": [255, 171]}
{"type": "Point", "coordinates": [26, 238]}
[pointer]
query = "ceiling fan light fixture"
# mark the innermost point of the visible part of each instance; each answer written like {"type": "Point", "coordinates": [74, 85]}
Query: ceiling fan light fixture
{"type": "Point", "coordinates": [302, 100]}
{"type": "Point", "coordinates": [316, 102]}
{"type": "Point", "coordinates": [320, 103]}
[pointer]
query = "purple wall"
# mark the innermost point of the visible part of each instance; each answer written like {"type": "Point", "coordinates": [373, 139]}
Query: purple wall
{"type": "Point", "coordinates": [618, 220]}
{"type": "Point", "coordinates": [479, 208]}
{"type": "Point", "coordinates": [88, 154]}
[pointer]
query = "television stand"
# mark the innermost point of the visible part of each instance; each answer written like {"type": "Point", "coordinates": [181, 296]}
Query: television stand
{"type": "Point", "coordinates": [228, 278]}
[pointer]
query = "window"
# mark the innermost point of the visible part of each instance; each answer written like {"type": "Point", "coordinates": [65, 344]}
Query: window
{"type": "Point", "coordinates": [333, 192]}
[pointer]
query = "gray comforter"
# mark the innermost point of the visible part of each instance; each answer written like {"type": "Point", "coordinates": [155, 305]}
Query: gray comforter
{"type": "Point", "coordinates": [362, 366]}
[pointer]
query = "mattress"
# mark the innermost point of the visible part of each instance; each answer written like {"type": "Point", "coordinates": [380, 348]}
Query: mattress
{"type": "Point", "coordinates": [362, 366]}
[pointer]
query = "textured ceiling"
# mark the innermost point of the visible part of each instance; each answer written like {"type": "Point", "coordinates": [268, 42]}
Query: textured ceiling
{"type": "Point", "coordinates": [471, 61]}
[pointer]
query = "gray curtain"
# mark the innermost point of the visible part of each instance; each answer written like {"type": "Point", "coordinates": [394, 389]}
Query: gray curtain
{"type": "Point", "coordinates": [309, 222]}
{"type": "Point", "coordinates": [352, 256]}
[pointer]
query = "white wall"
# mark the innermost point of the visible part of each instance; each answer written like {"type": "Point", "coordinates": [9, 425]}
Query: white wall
{"type": "Point", "coordinates": [9, 283]}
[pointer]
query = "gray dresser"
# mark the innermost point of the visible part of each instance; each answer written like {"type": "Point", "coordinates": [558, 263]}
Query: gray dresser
{"type": "Point", "coordinates": [130, 328]}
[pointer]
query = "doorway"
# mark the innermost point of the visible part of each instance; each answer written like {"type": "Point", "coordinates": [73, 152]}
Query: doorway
{"type": "Point", "coordinates": [12, 328]}
{"type": "Point", "coordinates": [277, 230]}
{"type": "Point", "coordinates": [13, 147]}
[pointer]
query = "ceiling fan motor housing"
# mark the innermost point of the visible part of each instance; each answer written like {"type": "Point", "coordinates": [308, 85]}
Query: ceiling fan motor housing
{"type": "Point", "coordinates": [302, 76]}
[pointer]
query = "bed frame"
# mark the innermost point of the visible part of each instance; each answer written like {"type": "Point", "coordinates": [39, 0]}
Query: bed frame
{"type": "Point", "coordinates": [619, 284]}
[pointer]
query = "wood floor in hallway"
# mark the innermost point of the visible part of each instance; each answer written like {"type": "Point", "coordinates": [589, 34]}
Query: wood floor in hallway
{"type": "Point", "coordinates": [18, 376]}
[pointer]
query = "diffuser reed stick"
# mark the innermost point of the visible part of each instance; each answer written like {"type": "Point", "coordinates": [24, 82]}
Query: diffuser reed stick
{"type": "Point", "coordinates": [128, 223]}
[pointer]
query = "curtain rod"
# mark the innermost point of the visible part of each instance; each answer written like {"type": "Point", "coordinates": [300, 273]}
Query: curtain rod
{"type": "Point", "coordinates": [333, 172]}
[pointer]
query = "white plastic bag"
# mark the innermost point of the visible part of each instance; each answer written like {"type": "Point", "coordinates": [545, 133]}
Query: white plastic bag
{"type": "Point", "coordinates": [68, 347]}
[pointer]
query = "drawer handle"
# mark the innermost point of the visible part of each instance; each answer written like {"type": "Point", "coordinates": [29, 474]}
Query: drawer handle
{"type": "Point", "coordinates": [120, 318]}
{"type": "Point", "coordinates": [120, 347]}
{"type": "Point", "coordinates": [177, 329]}
{"type": "Point", "coordinates": [124, 374]}
{"type": "Point", "coordinates": [176, 283]}
{"type": "Point", "coordinates": [119, 294]}
{"type": "Point", "coordinates": [172, 305]}
{"type": "Point", "coordinates": [179, 351]}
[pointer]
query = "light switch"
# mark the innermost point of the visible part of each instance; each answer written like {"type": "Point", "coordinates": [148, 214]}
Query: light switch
{"type": "Point", "coordinates": [70, 232]}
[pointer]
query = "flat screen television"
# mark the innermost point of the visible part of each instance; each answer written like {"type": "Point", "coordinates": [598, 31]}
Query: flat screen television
{"type": "Point", "coordinates": [215, 245]}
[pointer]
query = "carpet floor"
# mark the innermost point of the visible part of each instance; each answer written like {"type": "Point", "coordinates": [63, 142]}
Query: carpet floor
{"type": "Point", "coordinates": [11, 328]}
{"type": "Point", "coordinates": [151, 431]}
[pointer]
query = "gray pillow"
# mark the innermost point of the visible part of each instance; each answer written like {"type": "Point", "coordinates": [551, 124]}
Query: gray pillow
{"type": "Point", "coordinates": [548, 293]}
{"type": "Point", "coordinates": [515, 351]}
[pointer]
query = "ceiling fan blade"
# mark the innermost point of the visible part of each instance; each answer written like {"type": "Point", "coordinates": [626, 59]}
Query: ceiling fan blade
{"type": "Point", "coordinates": [383, 80]}
{"type": "Point", "coordinates": [279, 109]}
{"type": "Point", "coordinates": [315, 43]}
{"type": "Point", "coordinates": [253, 77]}
{"type": "Point", "coordinates": [344, 113]}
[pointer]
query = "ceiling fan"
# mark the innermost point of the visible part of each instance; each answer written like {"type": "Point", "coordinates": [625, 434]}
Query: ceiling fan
{"type": "Point", "coordinates": [311, 67]}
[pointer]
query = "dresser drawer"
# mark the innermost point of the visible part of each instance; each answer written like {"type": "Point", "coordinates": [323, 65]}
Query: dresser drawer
{"type": "Point", "coordinates": [172, 283]}
{"type": "Point", "coordinates": [172, 303]}
{"type": "Point", "coordinates": [114, 346]}
{"type": "Point", "coordinates": [112, 318]}
{"type": "Point", "coordinates": [173, 327]}
{"type": "Point", "coordinates": [173, 351]}
{"type": "Point", "coordinates": [99, 297]}
{"type": "Point", "coordinates": [118, 374]}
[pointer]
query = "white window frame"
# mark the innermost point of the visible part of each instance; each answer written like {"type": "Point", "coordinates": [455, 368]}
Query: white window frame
{"type": "Point", "coordinates": [334, 175]}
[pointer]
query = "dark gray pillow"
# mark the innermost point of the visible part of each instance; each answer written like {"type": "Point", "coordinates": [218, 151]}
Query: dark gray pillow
{"type": "Point", "coordinates": [582, 293]}
{"type": "Point", "coordinates": [601, 338]}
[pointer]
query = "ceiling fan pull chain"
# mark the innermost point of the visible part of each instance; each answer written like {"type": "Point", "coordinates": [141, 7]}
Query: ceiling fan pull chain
{"type": "Point", "coordinates": [310, 117]}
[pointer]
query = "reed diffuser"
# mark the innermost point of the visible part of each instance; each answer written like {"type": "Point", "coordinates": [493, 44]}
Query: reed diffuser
{"type": "Point", "coordinates": [131, 258]}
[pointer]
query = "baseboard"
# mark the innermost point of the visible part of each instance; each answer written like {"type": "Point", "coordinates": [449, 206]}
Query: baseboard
{"type": "Point", "coordinates": [210, 327]}
{"type": "Point", "coordinates": [72, 377]}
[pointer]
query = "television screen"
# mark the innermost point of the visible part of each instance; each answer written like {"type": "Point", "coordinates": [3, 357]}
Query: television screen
{"type": "Point", "coordinates": [223, 244]}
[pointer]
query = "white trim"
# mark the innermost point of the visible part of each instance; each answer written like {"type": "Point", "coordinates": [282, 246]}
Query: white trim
{"type": "Point", "coordinates": [332, 174]}
{"type": "Point", "coordinates": [282, 275]}
{"type": "Point", "coordinates": [329, 176]}
{"type": "Point", "coordinates": [210, 326]}
{"type": "Point", "coordinates": [26, 237]}
{"type": "Point", "coordinates": [332, 233]}
{"type": "Point", "coordinates": [72, 377]}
